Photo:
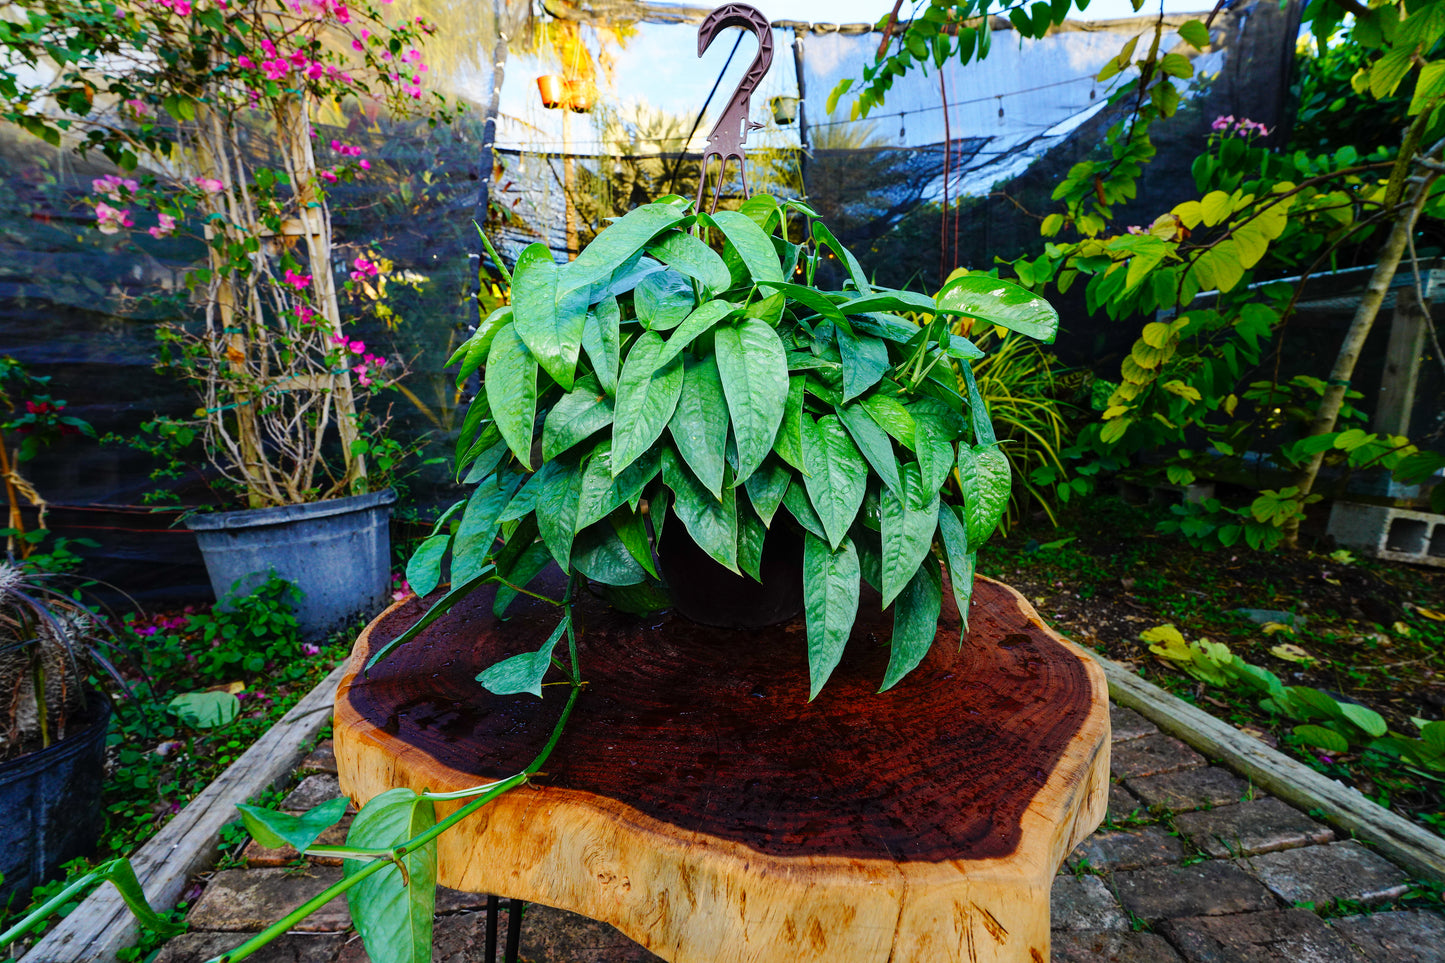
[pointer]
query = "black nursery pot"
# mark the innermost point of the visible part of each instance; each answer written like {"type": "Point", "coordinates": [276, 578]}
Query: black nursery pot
{"type": "Point", "coordinates": [709, 594]}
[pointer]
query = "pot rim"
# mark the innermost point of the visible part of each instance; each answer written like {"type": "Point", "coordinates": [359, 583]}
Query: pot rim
{"type": "Point", "coordinates": [21, 767]}
{"type": "Point", "coordinates": [281, 514]}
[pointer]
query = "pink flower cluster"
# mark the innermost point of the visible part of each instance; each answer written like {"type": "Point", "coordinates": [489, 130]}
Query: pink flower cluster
{"type": "Point", "coordinates": [165, 228]}
{"type": "Point", "coordinates": [298, 281]}
{"type": "Point", "coordinates": [110, 220]}
{"type": "Point", "coordinates": [1244, 127]}
{"type": "Point", "coordinates": [345, 150]}
{"type": "Point", "coordinates": [181, 8]}
{"type": "Point", "coordinates": [210, 185]}
{"type": "Point", "coordinates": [400, 587]}
{"type": "Point", "coordinates": [364, 269]}
{"type": "Point", "coordinates": [110, 185]}
{"type": "Point", "coordinates": [369, 362]}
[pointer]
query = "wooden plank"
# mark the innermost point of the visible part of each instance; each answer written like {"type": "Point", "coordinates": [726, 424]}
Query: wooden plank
{"type": "Point", "coordinates": [1413, 847]}
{"type": "Point", "coordinates": [1402, 365]}
{"type": "Point", "coordinates": [101, 925]}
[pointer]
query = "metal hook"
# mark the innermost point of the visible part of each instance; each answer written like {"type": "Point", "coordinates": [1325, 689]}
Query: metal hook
{"type": "Point", "coordinates": [726, 139]}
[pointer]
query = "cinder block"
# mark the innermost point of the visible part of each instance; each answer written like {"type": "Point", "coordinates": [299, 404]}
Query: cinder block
{"type": "Point", "coordinates": [1395, 534]}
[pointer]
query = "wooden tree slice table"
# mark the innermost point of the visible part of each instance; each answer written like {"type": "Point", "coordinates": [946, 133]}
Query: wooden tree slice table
{"type": "Point", "coordinates": [701, 805]}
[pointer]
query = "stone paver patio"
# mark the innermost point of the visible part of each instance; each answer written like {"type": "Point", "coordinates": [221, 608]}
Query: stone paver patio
{"type": "Point", "coordinates": [1192, 866]}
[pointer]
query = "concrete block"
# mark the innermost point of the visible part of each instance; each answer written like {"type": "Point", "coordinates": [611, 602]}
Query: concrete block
{"type": "Point", "coordinates": [1394, 534]}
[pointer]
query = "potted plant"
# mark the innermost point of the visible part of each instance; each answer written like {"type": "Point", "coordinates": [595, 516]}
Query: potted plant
{"type": "Point", "coordinates": [716, 404]}
{"type": "Point", "coordinates": [206, 111]}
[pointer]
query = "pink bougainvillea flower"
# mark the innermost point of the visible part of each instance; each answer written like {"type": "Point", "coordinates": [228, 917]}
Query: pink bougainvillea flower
{"type": "Point", "coordinates": [166, 226]}
{"type": "Point", "coordinates": [338, 339]}
{"type": "Point", "coordinates": [327, 175]}
{"type": "Point", "coordinates": [308, 649]}
{"type": "Point", "coordinates": [210, 185]}
{"type": "Point", "coordinates": [110, 220]}
{"type": "Point", "coordinates": [1222, 122]}
{"type": "Point", "coordinates": [357, 347]}
{"type": "Point", "coordinates": [366, 165]}
{"type": "Point", "coordinates": [364, 269]}
{"type": "Point", "coordinates": [298, 281]}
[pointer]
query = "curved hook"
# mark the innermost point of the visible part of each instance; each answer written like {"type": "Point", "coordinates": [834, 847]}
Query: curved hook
{"type": "Point", "coordinates": [728, 135]}
{"type": "Point", "coordinates": [737, 15]}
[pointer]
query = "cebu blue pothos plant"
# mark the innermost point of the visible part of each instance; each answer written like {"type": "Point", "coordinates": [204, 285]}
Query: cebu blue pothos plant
{"type": "Point", "coordinates": [656, 370]}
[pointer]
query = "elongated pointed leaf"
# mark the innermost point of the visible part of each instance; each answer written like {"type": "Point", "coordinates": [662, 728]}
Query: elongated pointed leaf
{"type": "Point", "coordinates": [766, 488]}
{"type": "Point", "coordinates": [472, 546]}
{"type": "Point", "coordinates": [473, 352]}
{"type": "Point", "coordinates": [601, 493]}
{"type": "Point", "coordinates": [600, 555]}
{"type": "Point", "coordinates": [751, 244]}
{"type": "Point", "coordinates": [892, 416]}
{"type": "Point", "coordinates": [617, 243]}
{"type": "Point", "coordinates": [274, 829]}
{"type": "Point", "coordinates": [873, 442]}
{"type": "Point", "coordinates": [837, 475]}
{"type": "Point", "coordinates": [549, 321]}
{"type": "Point", "coordinates": [424, 570]}
{"type": "Point", "coordinates": [632, 533]}
{"type": "Point", "coordinates": [394, 919]}
{"type": "Point", "coordinates": [978, 412]}
{"type": "Point", "coordinates": [830, 587]}
{"type": "Point", "coordinates": [699, 426]}
{"type": "Point", "coordinates": [523, 672]}
{"type": "Point", "coordinates": [931, 440]}
{"type": "Point", "coordinates": [754, 372]}
{"type": "Point", "coordinates": [789, 443]}
{"type": "Point", "coordinates": [795, 500]}
{"type": "Point", "coordinates": [824, 237]}
{"type": "Point", "coordinates": [525, 501]}
{"type": "Point", "coordinates": [577, 415]}
{"type": "Point", "coordinates": [663, 299]}
{"type": "Point", "coordinates": [713, 524]}
{"type": "Point", "coordinates": [686, 254]}
{"type": "Point", "coordinates": [865, 359]}
{"type": "Point", "coordinates": [810, 298]}
{"type": "Point", "coordinates": [915, 623]}
{"type": "Point", "coordinates": [909, 520]}
{"type": "Point", "coordinates": [602, 340]}
{"type": "Point", "coordinates": [440, 607]}
{"type": "Point", "coordinates": [694, 326]}
{"type": "Point", "coordinates": [511, 385]}
{"type": "Point", "coordinates": [751, 533]}
{"type": "Point", "coordinates": [888, 300]}
{"type": "Point", "coordinates": [1003, 303]}
{"type": "Point", "coordinates": [646, 398]}
{"type": "Point", "coordinates": [557, 511]}
{"type": "Point", "coordinates": [984, 475]}
{"type": "Point", "coordinates": [960, 560]}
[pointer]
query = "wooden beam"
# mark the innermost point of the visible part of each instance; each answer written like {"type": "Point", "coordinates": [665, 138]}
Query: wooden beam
{"type": "Point", "coordinates": [1402, 364]}
{"type": "Point", "coordinates": [101, 925]}
{"type": "Point", "coordinates": [1413, 847]}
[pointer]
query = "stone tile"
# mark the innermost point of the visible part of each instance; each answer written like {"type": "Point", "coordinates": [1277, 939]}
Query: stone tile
{"type": "Point", "coordinates": [291, 948]}
{"type": "Point", "coordinates": [1294, 935]}
{"type": "Point", "coordinates": [1257, 826]}
{"type": "Point", "coordinates": [1122, 803]}
{"type": "Point", "coordinates": [312, 791]}
{"type": "Point", "coordinates": [1150, 755]}
{"type": "Point", "coordinates": [1084, 903]}
{"type": "Point", "coordinates": [252, 899]}
{"type": "Point", "coordinates": [455, 901]}
{"type": "Point", "coordinates": [1190, 789]}
{"type": "Point", "coordinates": [320, 759]}
{"type": "Point", "coordinates": [1129, 849]}
{"type": "Point", "coordinates": [257, 855]}
{"type": "Point", "coordinates": [1407, 936]}
{"type": "Point", "coordinates": [1127, 724]}
{"type": "Point", "coordinates": [1113, 947]}
{"type": "Point", "coordinates": [1210, 888]}
{"type": "Point", "coordinates": [1320, 875]}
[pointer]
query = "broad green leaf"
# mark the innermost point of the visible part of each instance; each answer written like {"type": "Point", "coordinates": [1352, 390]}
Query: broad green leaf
{"type": "Point", "coordinates": [713, 524]}
{"type": "Point", "coordinates": [437, 609]}
{"type": "Point", "coordinates": [601, 493]}
{"type": "Point", "coordinates": [983, 473]}
{"type": "Point", "coordinates": [837, 475]}
{"type": "Point", "coordinates": [795, 500]}
{"type": "Point", "coordinates": [865, 359]}
{"type": "Point", "coordinates": [808, 297]}
{"type": "Point", "coordinates": [472, 545]}
{"type": "Point", "coordinates": [751, 244]}
{"type": "Point", "coordinates": [602, 340]}
{"type": "Point", "coordinates": [978, 412]}
{"type": "Point", "coordinates": [888, 301]}
{"type": "Point", "coordinates": [872, 441]}
{"type": "Point", "coordinates": [205, 710]}
{"type": "Point", "coordinates": [394, 918]}
{"type": "Point", "coordinates": [525, 501]}
{"type": "Point", "coordinates": [909, 519]}
{"type": "Point", "coordinates": [625, 278]}
{"type": "Point", "coordinates": [1194, 33]}
{"type": "Point", "coordinates": [646, 398]}
{"type": "Point", "coordinates": [1322, 738]}
{"type": "Point", "coordinates": [618, 242]}
{"type": "Point", "coordinates": [577, 415]}
{"type": "Point", "coordinates": [473, 352]}
{"type": "Point", "coordinates": [960, 560]}
{"type": "Point", "coordinates": [931, 440]}
{"type": "Point", "coordinates": [699, 426]}
{"type": "Point", "coordinates": [556, 511]}
{"type": "Point", "coordinates": [523, 672]}
{"type": "Point", "coordinates": [830, 587]}
{"type": "Point", "coordinates": [696, 324]}
{"type": "Point", "coordinates": [663, 299]}
{"type": "Point", "coordinates": [1370, 721]}
{"type": "Point", "coordinates": [531, 560]}
{"type": "Point", "coordinates": [915, 622]}
{"type": "Point", "coordinates": [548, 320]}
{"type": "Point", "coordinates": [789, 443]}
{"type": "Point", "coordinates": [274, 829]}
{"type": "Point", "coordinates": [632, 533]}
{"type": "Point", "coordinates": [824, 238]}
{"type": "Point", "coordinates": [754, 372]}
{"type": "Point", "coordinates": [766, 488]}
{"type": "Point", "coordinates": [892, 416]}
{"type": "Point", "coordinates": [424, 569]}
{"type": "Point", "coordinates": [511, 386]}
{"type": "Point", "coordinates": [686, 254]}
{"type": "Point", "coordinates": [1003, 303]}
{"type": "Point", "coordinates": [751, 534]}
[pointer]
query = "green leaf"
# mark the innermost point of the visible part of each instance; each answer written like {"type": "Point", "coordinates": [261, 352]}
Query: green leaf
{"type": "Point", "coordinates": [751, 534]}
{"type": "Point", "coordinates": [889, 300]}
{"type": "Point", "coordinates": [795, 500]}
{"type": "Point", "coordinates": [556, 511]}
{"type": "Point", "coordinates": [394, 918]}
{"type": "Point", "coordinates": [699, 426]}
{"type": "Point", "coordinates": [983, 473]}
{"type": "Point", "coordinates": [750, 243]}
{"type": "Point", "coordinates": [601, 493]}
{"type": "Point", "coordinates": [713, 524]}
{"type": "Point", "coordinates": [632, 533]}
{"type": "Point", "coordinates": [892, 416]}
{"type": "Point", "coordinates": [523, 672]}
{"type": "Point", "coordinates": [961, 560]}
{"type": "Point", "coordinates": [909, 519]}
{"type": "Point", "coordinates": [865, 359]}
{"type": "Point", "coordinates": [837, 475]}
{"type": "Point", "coordinates": [808, 297]}
{"type": "Point", "coordinates": [1368, 720]}
{"type": "Point", "coordinates": [472, 545]}
{"type": "Point", "coordinates": [1003, 303]}
{"type": "Point", "coordinates": [577, 415]}
{"type": "Point", "coordinates": [1429, 86]}
{"type": "Point", "coordinates": [789, 443]}
{"type": "Point", "coordinates": [617, 243]}
{"type": "Point", "coordinates": [473, 351]}
{"type": "Point", "coordinates": [531, 559]}
{"type": "Point", "coordinates": [1321, 738]}
{"type": "Point", "coordinates": [646, 398]}
{"type": "Point", "coordinates": [548, 321]}
{"type": "Point", "coordinates": [1194, 33]}
{"type": "Point", "coordinates": [754, 372]}
{"type": "Point", "coordinates": [695, 325]}
{"type": "Point", "coordinates": [511, 386]}
{"type": "Point", "coordinates": [274, 829]}
{"type": "Point", "coordinates": [872, 441]}
{"type": "Point", "coordinates": [602, 340]}
{"type": "Point", "coordinates": [205, 710]}
{"type": "Point", "coordinates": [686, 254]}
{"type": "Point", "coordinates": [766, 488]}
{"type": "Point", "coordinates": [824, 238]}
{"type": "Point", "coordinates": [437, 609]}
{"type": "Point", "coordinates": [663, 299]}
{"type": "Point", "coordinates": [830, 586]}
{"type": "Point", "coordinates": [915, 622]}
{"type": "Point", "coordinates": [932, 437]}
{"type": "Point", "coordinates": [424, 570]}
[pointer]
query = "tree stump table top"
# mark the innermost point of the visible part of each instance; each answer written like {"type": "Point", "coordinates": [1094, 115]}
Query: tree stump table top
{"type": "Point", "coordinates": [701, 805]}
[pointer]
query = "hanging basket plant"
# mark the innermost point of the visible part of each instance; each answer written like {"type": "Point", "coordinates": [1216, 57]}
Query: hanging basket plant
{"type": "Point", "coordinates": [553, 88]}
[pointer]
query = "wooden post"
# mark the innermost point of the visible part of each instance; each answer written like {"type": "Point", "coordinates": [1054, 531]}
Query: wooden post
{"type": "Point", "coordinates": [1402, 363]}
{"type": "Point", "coordinates": [569, 176]}
{"type": "Point", "coordinates": [802, 110]}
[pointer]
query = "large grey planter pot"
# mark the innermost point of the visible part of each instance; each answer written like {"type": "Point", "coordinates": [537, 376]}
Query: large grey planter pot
{"type": "Point", "coordinates": [338, 552]}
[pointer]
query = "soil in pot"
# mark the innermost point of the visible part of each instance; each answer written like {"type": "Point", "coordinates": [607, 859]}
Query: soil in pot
{"type": "Point", "coordinates": [707, 593]}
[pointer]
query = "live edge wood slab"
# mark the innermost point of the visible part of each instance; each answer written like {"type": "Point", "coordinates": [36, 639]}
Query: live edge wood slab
{"type": "Point", "coordinates": [701, 805]}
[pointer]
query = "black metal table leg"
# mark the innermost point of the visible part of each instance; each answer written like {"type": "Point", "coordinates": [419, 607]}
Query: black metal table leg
{"type": "Point", "coordinates": [514, 930]}
{"type": "Point", "coordinates": [491, 956]}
